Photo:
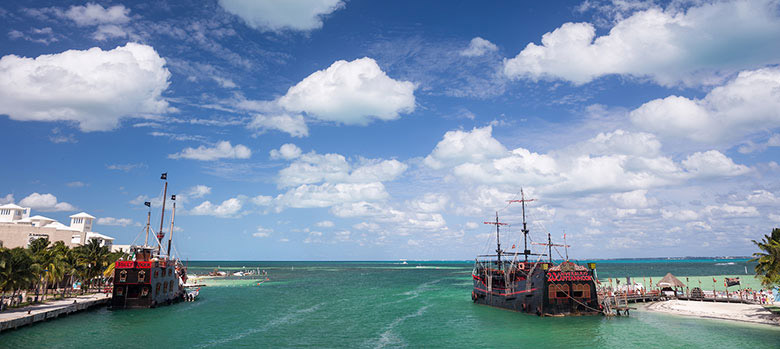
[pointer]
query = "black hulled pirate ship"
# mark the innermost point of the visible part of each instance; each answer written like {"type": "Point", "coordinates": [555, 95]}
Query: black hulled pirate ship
{"type": "Point", "coordinates": [150, 277]}
{"type": "Point", "coordinates": [508, 279]}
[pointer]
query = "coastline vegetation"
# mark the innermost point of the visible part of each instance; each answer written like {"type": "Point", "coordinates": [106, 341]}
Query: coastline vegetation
{"type": "Point", "coordinates": [768, 267]}
{"type": "Point", "coordinates": [44, 266]}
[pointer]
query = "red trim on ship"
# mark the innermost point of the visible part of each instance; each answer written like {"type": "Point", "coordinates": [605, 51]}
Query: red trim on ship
{"type": "Point", "coordinates": [123, 264]}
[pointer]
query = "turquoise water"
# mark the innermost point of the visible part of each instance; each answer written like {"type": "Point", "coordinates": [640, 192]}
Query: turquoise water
{"type": "Point", "coordinates": [380, 304]}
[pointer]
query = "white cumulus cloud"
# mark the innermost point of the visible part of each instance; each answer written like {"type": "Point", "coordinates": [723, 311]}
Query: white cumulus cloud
{"type": "Point", "coordinates": [478, 47]}
{"type": "Point", "coordinates": [8, 199]}
{"type": "Point", "coordinates": [676, 45]}
{"type": "Point", "coordinates": [351, 93]}
{"type": "Point", "coordinates": [464, 146]}
{"type": "Point", "coordinates": [223, 150]}
{"type": "Point", "coordinates": [745, 105]}
{"type": "Point", "coordinates": [198, 191]}
{"type": "Point", "coordinates": [95, 14]}
{"type": "Point", "coordinates": [713, 163]}
{"type": "Point", "coordinates": [329, 194]}
{"type": "Point", "coordinates": [46, 203]}
{"type": "Point", "coordinates": [294, 125]}
{"type": "Point", "coordinates": [114, 221]}
{"type": "Point", "coordinates": [632, 199]}
{"type": "Point", "coordinates": [287, 151]}
{"type": "Point", "coordinates": [430, 202]}
{"type": "Point", "coordinates": [314, 168]}
{"type": "Point", "coordinates": [614, 162]}
{"type": "Point", "coordinates": [93, 87]}
{"type": "Point", "coordinates": [262, 200]}
{"type": "Point", "coordinates": [274, 15]}
{"type": "Point", "coordinates": [228, 208]}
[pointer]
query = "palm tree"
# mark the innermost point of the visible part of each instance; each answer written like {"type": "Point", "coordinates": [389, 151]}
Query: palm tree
{"type": "Point", "coordinates": [768, 267]}
{"type": "Point", "coordinates": [40, 254]}
{"type": "Point", "coordinates": [53, 266]}
{"type": "Point", "coordinates": [95, 258]}
{"type": "Point", "coordinates": [5, 257]}
{"type": "Point", "coordinates": [18, 271]}
{"type": "Point", "coordinates": [71, 267]}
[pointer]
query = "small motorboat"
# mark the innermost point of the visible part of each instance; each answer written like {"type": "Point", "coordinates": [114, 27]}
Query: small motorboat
{"type": "Point", "coordinates": [191, 295]}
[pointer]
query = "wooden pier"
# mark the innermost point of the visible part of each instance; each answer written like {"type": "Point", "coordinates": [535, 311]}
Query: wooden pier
{"type": "Point", "coordinates": [15, 318]}
{"type": "Point", "coordinates": [619, 304]}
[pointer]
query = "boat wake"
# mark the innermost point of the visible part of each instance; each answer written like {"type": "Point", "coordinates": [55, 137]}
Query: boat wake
{"type": "Point", "coordinates": [412, 294]}
{"type": "Point", "coordinates": [389, 337]}
{"type": "Point", "coordinates": [287, 319]}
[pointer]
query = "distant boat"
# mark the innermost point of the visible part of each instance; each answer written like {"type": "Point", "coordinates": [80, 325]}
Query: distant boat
{"type": "Point", "coordinates": [192, 295]}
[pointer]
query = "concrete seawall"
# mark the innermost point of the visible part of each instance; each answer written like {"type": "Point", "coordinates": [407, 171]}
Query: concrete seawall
{"type": "Point", "coordinates": [12, 319]}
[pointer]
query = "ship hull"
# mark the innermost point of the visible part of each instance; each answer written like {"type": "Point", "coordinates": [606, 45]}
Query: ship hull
{"type": "Point", "coordinates": [145, 285]}
{"type": "Point", "coordinates": [543, 293]}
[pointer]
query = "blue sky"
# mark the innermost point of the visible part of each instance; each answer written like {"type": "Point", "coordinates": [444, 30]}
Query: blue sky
{"type": "Point", "coordinates": [354, 130]}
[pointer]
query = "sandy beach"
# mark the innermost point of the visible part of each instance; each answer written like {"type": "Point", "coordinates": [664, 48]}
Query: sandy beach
{"type": "Point", "coordinates": [726, 311]}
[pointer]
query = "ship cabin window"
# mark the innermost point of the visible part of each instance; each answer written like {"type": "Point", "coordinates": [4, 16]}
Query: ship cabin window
{"type": "Point", "coordinates": [144, 292]}
{"type": "Point", "coordinates": [141, 275]}
{"type": "Point", "coordinates": [157, 289]}
{"type": "Point", "coordinates": [123, 276]}
{"type": "Point", "coordinates": [558, 291]}
{"type": "Point", "coordinates": [581, 291]}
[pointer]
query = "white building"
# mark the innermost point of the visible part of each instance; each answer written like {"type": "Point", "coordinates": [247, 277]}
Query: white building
{"type": "Point", "coordinates": [10, 213]}
{"type": "Point", "coordinates": [18, 229]}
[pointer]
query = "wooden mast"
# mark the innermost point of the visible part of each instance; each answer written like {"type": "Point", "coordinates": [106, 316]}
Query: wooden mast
{"type": "Point", "coordinates": [550, 245]}
{"type": "Point", "coordinates": [160, 233]}
{"type": "Point", "coordinates": [173, 214]}
{"type": "Point", "coordinates": [522, 200]}
{"type": "Point", "coordinates": [498, 238]}
{"type": "Point", "coordinates": [148, 221]}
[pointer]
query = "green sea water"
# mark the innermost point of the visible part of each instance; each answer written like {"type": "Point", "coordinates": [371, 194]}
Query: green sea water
{"type": "Point", "coordinates": [383, 305]}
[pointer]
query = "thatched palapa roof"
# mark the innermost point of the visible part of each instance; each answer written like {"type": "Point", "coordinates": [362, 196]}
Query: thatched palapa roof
{"type": "Point", "coordinates": [670, 281]}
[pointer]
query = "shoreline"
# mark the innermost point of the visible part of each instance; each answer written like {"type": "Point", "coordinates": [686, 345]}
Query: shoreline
{"type": "Point", "coordinates": [740, 312]}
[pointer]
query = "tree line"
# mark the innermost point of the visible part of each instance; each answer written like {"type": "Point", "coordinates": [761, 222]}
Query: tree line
{"type": "Point", "coordinates": [43, 264]}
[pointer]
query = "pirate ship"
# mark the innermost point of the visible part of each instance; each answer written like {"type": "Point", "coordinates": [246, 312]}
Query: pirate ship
{"type": "Point", "coordinates": [533, 286]}
{"type": "Point", "coordinates": [151, 276]}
